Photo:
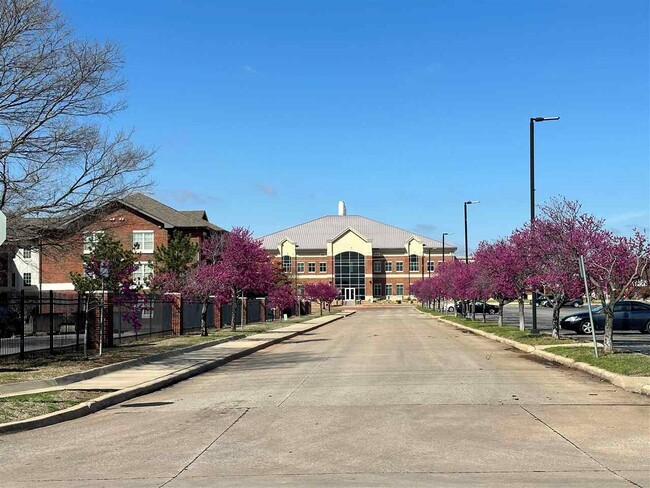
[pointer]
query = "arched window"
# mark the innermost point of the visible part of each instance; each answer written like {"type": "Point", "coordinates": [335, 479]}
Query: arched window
{"type": "Point", "coordinates": [414, 263]}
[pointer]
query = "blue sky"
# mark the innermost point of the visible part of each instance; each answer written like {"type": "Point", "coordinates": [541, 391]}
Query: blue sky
{"type": "Point", "coordinates": [267, 113]}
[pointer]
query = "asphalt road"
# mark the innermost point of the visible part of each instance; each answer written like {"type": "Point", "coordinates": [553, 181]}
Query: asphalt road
{"type": "Point", "coordinates": [632, 341]}
{"type": "Point", "coordinates": [382, 398]}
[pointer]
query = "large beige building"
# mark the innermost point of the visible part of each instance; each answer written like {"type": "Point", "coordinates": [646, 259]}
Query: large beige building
{"type": "Point", "coordinates": [365, 259]}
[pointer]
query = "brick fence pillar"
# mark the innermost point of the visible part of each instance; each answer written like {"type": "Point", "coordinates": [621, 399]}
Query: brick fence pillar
{"type": "Point", "coordinates": [262, 303]}
{"type": "Point", "coordinates": [216, 309]}
{"type": "Point", "coordinates": [177, 312]}
{"type": "Point", "coordinates": [94, 324]}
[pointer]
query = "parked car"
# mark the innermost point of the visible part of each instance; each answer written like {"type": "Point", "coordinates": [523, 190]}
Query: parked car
{"type": "Point", "coordinates": [576, 302]}
{"type": "Point", "coordinates": [540, 300]}
{"type": "Point", "coordinates": [480, 306]}
{"type": "Point", "coordinates": [628, 315]}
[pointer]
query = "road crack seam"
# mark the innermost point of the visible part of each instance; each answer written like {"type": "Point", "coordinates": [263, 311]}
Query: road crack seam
{"type": "Point", "coordinates": [578, 447]}
{"type": "Point", "coordinates": [312, 372]}
{"type": "Point", "coordinates": [206, 448]}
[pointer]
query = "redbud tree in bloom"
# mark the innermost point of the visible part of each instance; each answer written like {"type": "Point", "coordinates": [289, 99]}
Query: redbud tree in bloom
{"type": "Point", "coordinates": [502, 265]}
{"type": "Point", "coordinates": [245, 267]}
{"type": "Point", "coordinates": [613, 263]}
{"type": "Point", "coordinates": [324, 293]}
{"type": "Point", "coordinates": [282, 297]}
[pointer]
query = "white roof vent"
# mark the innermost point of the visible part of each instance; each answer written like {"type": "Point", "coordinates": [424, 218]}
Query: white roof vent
{"type": "Point", "coordinates": [342, 210]}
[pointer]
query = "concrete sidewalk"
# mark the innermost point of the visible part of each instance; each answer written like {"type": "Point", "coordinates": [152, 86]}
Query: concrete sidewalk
{"type": "Point", "coordinates": [145, 377]}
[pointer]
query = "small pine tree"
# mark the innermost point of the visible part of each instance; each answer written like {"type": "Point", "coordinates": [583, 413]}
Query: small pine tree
{"type": "Point", "coordinates": [178, 257]}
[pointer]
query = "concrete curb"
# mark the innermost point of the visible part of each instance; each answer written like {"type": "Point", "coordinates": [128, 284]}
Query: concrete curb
{"type": "Point", "coordinates": [120, 396]}
{"type": "Point", "coordinates": [12, 388]}
{"type": "Point", "coordinates": [634, 384]}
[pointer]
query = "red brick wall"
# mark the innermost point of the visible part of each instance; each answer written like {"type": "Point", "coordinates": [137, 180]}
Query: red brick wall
{"type": "Point", "coordinates": [58, 262]}
{"type": "Point", "coordinates": [382, 278]}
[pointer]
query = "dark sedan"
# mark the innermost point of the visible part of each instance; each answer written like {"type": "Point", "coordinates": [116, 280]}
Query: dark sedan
{"type": "Point", "coordinates": [480, 306]}
{"type": "Point", "coordinates": [628, 315]}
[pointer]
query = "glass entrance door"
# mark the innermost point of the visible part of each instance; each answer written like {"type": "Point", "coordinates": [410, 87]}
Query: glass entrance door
{"type": "Point", "coordinates": [349, 294]}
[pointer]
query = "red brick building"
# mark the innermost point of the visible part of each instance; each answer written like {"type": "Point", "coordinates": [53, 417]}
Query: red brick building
{"type": "Point", "coordinates": [365, 259]}
{"type": "Point", "coordinates": [136, 219]}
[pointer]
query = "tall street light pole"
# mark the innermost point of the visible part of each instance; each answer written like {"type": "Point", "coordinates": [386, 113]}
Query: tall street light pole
{"type": "Point", "coordinates": [532, 198]}
{"type": "Point", "coordinates": [443, 245]}
{"type": "Point", "coordinates": [465, 204]}
{"type": "Point", "coordinates": [296, 271]}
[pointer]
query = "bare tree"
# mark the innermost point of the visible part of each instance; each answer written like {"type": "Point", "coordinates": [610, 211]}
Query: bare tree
{"type": "Point", "coordinates": [57, 158]}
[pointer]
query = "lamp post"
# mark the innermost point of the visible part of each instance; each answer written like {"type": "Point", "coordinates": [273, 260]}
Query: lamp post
{"type": "Point", "coordinates": [443, 245]}
{"type": "Point", "coordinates": [465, 204]}
{"type": "Point", "coordinates": [532, 198]}
{"type": "Point", "coordinates": [296, 275]}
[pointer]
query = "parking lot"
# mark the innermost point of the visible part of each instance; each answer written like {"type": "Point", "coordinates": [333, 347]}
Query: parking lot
{"type": "Point", "coordinates": [627, 340]}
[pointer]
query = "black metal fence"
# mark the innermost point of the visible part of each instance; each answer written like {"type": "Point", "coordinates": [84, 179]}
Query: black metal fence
{"type": "Point", "coordinates": [154, 316]}
{"type": "Point", "coordinates": [42, 323]}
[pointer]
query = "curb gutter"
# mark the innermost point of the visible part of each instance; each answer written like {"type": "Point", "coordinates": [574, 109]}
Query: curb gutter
{"type": "Point", "coordinates": [634, 384]}
{"type": "Point", "coordinates": [11, 388]}
{"type": "Point", "coordinates": [120, 396]}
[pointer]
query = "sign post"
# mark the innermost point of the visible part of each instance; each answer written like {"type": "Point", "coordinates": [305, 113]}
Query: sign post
{"type": "Point", "coordinates": [3, 228]}
{"type": "Point", "coordinates": [583, 274]}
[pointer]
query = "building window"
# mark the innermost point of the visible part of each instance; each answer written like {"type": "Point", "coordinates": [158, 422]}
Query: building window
{"type": "Point", "coordinates": [141, 274]}
{"type": "Point", "coordinates": [27, 279]}
{"type": "Point", "coordinates": [430, 266]}
{"type": "Point", "coordinates": [143, 241]}
{"type": "Point", "coordinates": [389, 266]}
{"type": "Point", "coordinates": [286, 264]}
{"type": "Point", "coordinates": [27, 253]}
{"type": "Point", "coordinates": [414, 263]}
{"type": "Point", "coordinates": [90, 239]}
{"type": "Point", "coordinates": [147, 310]}
{"type": "Point", "coordinates": [376, 266]}
{"type": "Point", "coordinates": [323, 267]}
{"type": "Point", "coordinates": [301, 267]}
{"type": "Point", "coordinates": [389, 290]}
{"type": "Point", "coordinates": [399, 266]}
{"type": "Point", "coordinates": [311, 267]}
{"type": "Point", "coordinates": [376, 289]}
{"type": "Point", "coordinates": [399, 288]}
{"type": "Point", "coordinates": [350, 273]}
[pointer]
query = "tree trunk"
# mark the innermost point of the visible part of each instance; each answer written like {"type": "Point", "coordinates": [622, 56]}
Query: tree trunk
{"type": "Point", "coordinates": [500, 313]}
{"type": "Point", "coordinates": [233, 315]}
{"type": "Point", "coordinates": [522, 321]}
{"type": "Point", "coordinates": [321, 308]}
{"type": "Point", "coordinates": [473, 309]}
{"type": "Point", "coordinates": [556, 319]}
{"type": "Point", "coordinates": [86, 326]}
{"type": "Point", "coordinates": [204, 321]}
{"type": "Point", "coordinates": [608, 338]}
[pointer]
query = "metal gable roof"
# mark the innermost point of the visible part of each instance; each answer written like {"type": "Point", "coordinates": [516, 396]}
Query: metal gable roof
{"type": "Point", "coordinates": [316, 233]}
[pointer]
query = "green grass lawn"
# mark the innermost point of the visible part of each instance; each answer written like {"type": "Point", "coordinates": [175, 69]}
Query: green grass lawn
{"type": "Point", "coordinates": [627, 363]}
{"type": "Point", "coordinates": [28, 406]}
{"type": "Point", "coordinates": [506, 331]}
